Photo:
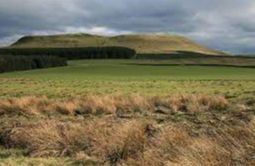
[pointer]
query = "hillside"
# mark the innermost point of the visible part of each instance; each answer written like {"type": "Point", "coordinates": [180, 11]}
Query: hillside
{"type": "Point", "coordinates": [141, 43]}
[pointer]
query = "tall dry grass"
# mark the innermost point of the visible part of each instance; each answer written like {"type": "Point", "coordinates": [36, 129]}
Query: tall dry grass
{"type": "Point", "coordinates": [221, 138]}
{"type": "Point", "coordinates": [112, 105]}
{"type": "Point", "coordinates": [109, 141]}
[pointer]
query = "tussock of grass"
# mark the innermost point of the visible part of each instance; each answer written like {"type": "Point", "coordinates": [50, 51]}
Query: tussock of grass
{"type": "Point", "coordinates": [111, 143]}
{"type": "Point", "coordinates": [50, 138]}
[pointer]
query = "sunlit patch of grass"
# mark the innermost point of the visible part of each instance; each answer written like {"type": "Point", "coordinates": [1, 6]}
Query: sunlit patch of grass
{"type": "Point", "coordinates": [63, 89]}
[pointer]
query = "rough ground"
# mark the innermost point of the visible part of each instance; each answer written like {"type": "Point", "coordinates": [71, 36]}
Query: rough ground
{"type": "Point", "coordinates": [128, 130]}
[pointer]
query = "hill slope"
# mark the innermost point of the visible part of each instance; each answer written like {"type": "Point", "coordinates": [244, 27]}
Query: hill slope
{"type": "Point", "coordinates": [140, 43]}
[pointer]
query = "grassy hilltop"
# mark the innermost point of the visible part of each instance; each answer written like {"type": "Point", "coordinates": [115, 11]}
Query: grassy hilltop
{"type": "Point", "coordinates": [143, 44]}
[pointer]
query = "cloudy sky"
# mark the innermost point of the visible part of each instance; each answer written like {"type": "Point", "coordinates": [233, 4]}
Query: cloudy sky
{"type": "Point", "coordinates": [222, 24]}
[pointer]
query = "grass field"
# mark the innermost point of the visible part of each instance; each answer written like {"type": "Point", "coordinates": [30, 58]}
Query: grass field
{"type": "Point", "coordinates": [100, 77]}
{"type": "Point", "coordinates": [128, 112]}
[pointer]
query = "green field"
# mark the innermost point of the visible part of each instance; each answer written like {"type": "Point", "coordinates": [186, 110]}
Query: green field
{"type": "Point", "coordinates": [125, 77]}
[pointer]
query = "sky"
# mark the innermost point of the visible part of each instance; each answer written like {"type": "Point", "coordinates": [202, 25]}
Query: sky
{"type": "Point", "coordinates": [227, 25]}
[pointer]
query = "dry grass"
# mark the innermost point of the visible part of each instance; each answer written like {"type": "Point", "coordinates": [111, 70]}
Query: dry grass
{"type": "Point", "coordinates": [221, 138]}
{"type": "Point", "coordinates": [112, 105]}
{"type": "Point", "coordinates": [50, 138]}
{"type": "Point", "coordinates": [109, 142]}
{"type": "Point", "coordinates": [106, 140]}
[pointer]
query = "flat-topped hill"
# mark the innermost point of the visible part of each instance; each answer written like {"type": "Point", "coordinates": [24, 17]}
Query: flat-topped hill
{"type": "Point", "coordinates": [142, 43]}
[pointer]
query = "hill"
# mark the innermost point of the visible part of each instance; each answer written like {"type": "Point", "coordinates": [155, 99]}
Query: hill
{"type": "Point", "coordinates": [143, 44]}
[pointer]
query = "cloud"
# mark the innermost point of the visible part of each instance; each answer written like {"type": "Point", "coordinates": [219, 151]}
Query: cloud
{"type": "Point", "coordinates": [216, 23]}
{"type": "Point", "coordinates": [96, 31]}
{"type": "Point", "coordinates": [5, 41]}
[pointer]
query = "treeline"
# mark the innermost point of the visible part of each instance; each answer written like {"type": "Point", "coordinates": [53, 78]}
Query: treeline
{"type": "Point", "coordinates": [75, 53]}
{"type": "Point", "coordinates": [15, 63]}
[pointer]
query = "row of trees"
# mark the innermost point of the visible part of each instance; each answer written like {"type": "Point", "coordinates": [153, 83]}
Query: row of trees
{"type": "Point", "coordinates": [15, 63]}
{"type": "Point", "coordinates": [75, 53]}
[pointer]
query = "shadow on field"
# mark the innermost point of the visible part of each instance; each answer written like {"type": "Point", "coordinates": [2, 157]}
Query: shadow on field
{"type": "Point", "coordinates": [208, 65]}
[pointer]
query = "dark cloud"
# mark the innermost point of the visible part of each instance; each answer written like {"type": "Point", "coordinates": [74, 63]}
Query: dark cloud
{"type": "Point", "coordinates": [226, 25]}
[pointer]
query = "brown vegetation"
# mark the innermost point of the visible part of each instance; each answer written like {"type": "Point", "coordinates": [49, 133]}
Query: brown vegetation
{"type": "Point", "coordinates": [113, 105]}
{"type": "Point", "coordinates": [132, 130]}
